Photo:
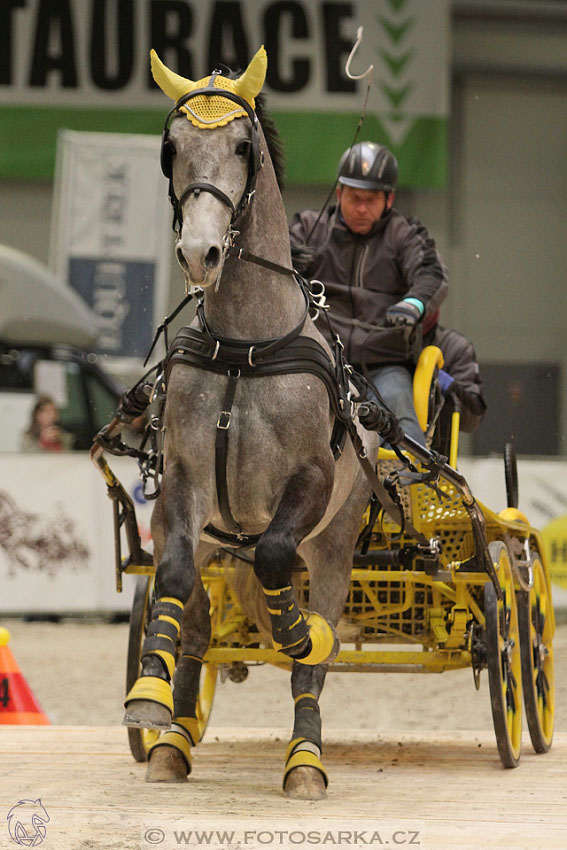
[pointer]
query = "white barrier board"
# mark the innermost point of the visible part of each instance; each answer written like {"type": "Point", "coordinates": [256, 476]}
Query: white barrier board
{"type": "Point", "coordinates": [57, 540]}
{"type": "Point", "coordinates": [56, 534]}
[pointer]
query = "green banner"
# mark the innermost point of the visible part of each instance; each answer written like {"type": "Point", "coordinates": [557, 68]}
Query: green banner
{"type": "Point", "coordinates": [28, 141]}
{"type": "Point", "coordinates": [84, 65]}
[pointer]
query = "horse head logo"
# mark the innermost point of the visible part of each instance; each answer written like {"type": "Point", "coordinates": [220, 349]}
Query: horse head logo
{"type": "Point", "coordinates": [26, 823]}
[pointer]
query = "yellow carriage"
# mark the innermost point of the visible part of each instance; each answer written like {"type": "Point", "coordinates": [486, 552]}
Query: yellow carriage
{"type": "Point", "coordinates": [466, 587]}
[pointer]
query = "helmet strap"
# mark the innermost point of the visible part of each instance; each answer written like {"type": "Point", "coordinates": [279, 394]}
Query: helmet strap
{"type": "Point", "coordinates": [388, 204]}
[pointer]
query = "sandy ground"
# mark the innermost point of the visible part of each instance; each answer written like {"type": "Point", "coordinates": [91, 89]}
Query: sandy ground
{"type": "Point", "coordinates": [411, 758]}
{"type": "Point", "coordinates": [77, 671]}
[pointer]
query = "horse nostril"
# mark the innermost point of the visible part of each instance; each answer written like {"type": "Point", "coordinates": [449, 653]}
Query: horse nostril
{"type": "Point", "coordinates": [181, 258]}
{"type": "Point", "coordinates": [213, 258]}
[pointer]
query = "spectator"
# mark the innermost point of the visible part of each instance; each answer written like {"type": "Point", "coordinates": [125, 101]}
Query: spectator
{"type": "Point", "coordinates": [44, 434]}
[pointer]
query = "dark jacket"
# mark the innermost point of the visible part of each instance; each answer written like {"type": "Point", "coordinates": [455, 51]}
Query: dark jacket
{"type": "Point", "coordinates": [461, 364]}
{"type": "Point", "coordinates": [364, 275]}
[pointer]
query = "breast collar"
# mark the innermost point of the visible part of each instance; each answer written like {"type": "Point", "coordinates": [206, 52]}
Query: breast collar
{"type": "Point", "coordinates": [289, 354]}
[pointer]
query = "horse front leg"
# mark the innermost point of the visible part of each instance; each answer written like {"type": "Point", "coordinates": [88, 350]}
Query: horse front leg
{"type": "Point", "coordinates": [149, 704]}
{"type": "Point", "coordinates": [329, 559]}
{"type": "Point", "coordinates": [170, 757]}
{"type": "Point", "coordinates": [305, 777]}
{"type": "Point", "coordinates": [312, 639]}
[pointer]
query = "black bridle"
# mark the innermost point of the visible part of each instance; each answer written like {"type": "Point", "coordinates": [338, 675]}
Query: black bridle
{"type": "Point", "coordinates": [255, 157]}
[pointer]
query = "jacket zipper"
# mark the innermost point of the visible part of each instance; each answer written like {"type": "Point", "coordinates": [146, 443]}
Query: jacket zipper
{"type": "Point", "coordinates": [360, 265]}
{"type": "Point", "coordinates": [352, 277]}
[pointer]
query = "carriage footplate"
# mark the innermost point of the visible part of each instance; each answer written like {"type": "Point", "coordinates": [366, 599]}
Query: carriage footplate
{"type": "Point", "coordinates": [305, 636]}
{"type": "Point", "coordinates": [149, 703]}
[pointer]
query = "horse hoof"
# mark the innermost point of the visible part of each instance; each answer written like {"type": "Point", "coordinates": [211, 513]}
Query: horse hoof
{"type": "Point", "coordinates": [166, 764]}
{"type": "Point", "coordinates": [145, 714]}
{"type": "Point", "coordinates": [305, 783]}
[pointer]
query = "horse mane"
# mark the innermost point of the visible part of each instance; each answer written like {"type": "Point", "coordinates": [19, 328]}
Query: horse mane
{"type": "Point", "coordinates": [273, 140]}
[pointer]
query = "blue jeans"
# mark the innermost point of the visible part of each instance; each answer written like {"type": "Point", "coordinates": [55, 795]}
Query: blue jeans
{"type": "Point", "coordinates": [395, 385]}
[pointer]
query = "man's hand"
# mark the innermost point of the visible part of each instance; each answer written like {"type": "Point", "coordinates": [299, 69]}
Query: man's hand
{"type": "Point", "coordinates": [402, 314]}
{"type": "Point", "coordinates": [302, 259]}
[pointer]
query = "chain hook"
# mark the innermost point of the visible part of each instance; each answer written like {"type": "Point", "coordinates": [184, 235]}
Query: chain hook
{"type": "Point", "coordinates": [355, 47]}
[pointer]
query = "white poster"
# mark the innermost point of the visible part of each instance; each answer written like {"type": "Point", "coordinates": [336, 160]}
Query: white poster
{"type": "Point", "coordinates": [111, 238]}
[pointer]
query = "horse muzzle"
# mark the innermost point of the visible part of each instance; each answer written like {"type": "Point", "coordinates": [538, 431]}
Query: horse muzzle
{"type": "Point", "coordinates": [201, 260]}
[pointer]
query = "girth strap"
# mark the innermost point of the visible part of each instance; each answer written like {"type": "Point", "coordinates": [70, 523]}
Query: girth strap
{"type": "Point", "coordinates": [221, 454]}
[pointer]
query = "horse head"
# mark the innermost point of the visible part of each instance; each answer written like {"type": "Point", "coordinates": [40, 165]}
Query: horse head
{"type": "Point", "coordinates": [210, 183]}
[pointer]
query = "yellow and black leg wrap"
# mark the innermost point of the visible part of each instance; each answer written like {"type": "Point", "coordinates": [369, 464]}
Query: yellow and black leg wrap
{"type": "Point", "coordinates": [183, 735]}
{"type": "Point", "coordinates": [304, 749]}
{"type": "Point", "coordinates": [160, 645]}
{"type": "Point", "coordinates": [186, 690]}
{"type": "Point", "coordinates": [307, 637]}
{"type": "Point", "coordinates": [289, 629]}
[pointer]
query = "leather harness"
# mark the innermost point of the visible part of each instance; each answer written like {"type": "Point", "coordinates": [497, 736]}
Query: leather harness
{"type": "Point", "coordinates": [289, 354]}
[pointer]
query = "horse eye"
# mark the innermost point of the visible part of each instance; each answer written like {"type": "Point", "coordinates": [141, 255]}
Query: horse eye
{"type": "Point", "coordinates": [242, 148]}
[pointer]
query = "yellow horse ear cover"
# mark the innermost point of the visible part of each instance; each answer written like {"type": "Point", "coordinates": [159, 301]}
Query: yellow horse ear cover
{"type": "Point", "coordinates": [206, 111]}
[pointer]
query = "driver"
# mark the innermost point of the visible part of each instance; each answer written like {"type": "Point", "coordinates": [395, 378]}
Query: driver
{"type": "Point", "coordinates": [379, 268]}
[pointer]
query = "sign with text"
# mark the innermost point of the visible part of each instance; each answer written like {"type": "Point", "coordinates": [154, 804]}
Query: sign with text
{"type": "Point", "coordinates": [111, 239]}
{"type": "Point", "coordinates": [81, 63]}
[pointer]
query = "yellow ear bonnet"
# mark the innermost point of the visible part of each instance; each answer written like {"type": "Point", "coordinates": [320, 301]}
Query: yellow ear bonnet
{"type": "Point", "coordinates": [206, 111]}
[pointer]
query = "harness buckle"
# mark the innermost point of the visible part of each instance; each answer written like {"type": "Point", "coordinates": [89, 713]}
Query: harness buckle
{"type": "Point", "coordinates": [251, 351]}
{"type": "Point", "coordinates": [317, 296]}
{"type": "Point", "coordinates": [223, 422]}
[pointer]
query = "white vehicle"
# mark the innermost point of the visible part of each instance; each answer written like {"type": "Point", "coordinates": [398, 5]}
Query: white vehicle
{"type": "Point", "coordinates": [46, 335]}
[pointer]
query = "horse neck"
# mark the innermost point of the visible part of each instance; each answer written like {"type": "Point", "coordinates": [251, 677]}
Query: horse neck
{"type": "Point", "coordinates": [252, 302]}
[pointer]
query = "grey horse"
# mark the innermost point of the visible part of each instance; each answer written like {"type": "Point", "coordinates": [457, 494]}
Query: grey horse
{"type": "Point", "coordinates": [283, 482]}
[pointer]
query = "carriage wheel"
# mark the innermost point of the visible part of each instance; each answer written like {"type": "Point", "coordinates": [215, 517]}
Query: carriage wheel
{"type": "Point", "coordinates": [503, 658]}
{"type": "Point", "coordinates": [511, 476]}
{"type": "Point", "coordinates": [217, 591]}
{"type": "Point", "coordinates": [538, 671]}
{"type": "Point", "coordinates": [141, 740]}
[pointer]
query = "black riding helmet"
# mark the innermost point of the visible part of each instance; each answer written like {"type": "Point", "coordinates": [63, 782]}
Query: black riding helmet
{"type": "Point", "coordinates": [368, 165]}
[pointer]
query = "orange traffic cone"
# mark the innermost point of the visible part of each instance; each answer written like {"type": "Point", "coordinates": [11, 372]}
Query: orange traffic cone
{"type": "Point", "coordinates": [18, 706]}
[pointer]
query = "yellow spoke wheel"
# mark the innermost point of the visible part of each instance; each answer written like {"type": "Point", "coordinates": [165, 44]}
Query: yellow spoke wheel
{"type": "Point", "coordinates": [141, 740]}
{"type": "Point", "coordinates": [538, 670]}
{"type": "Point", "coordinates": [503, 658]}
{"type": "Point", "coordinates": [217, 591]}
